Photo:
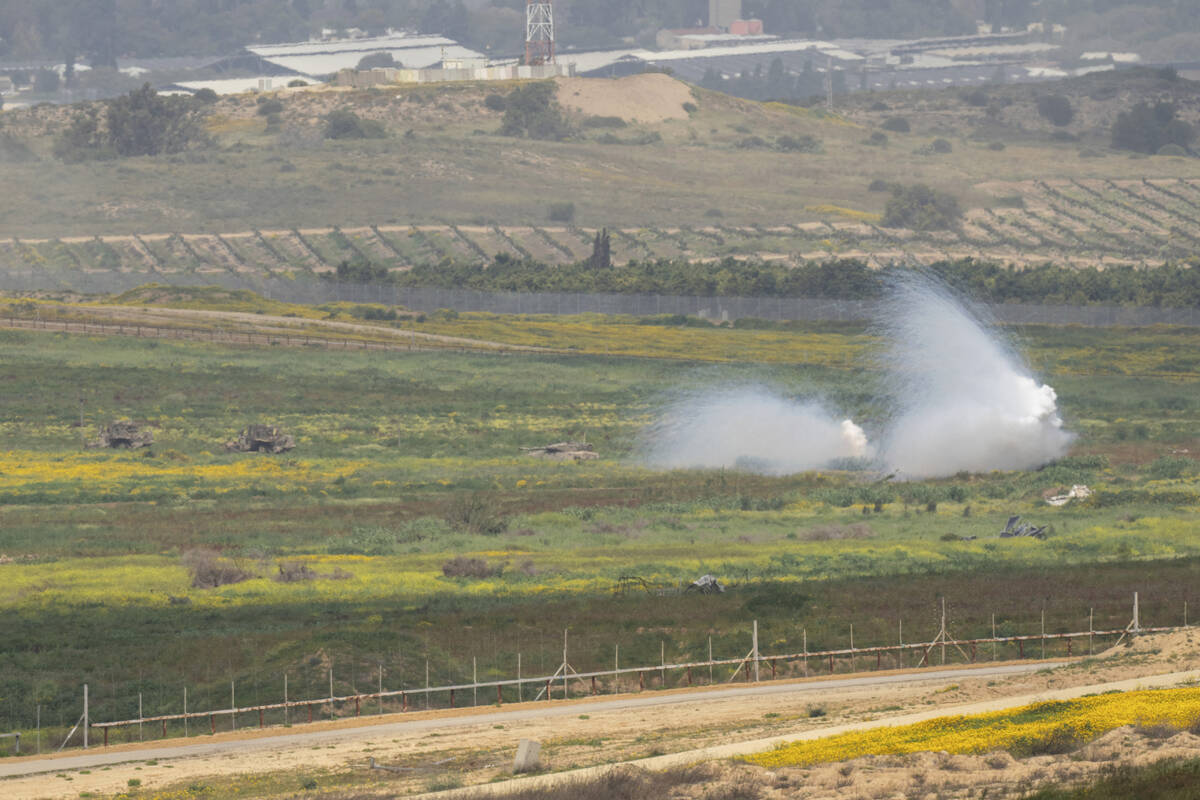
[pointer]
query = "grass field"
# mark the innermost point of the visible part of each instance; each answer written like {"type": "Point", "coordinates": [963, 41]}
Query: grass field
{"type": "Point", "coordinates": [395, 449]}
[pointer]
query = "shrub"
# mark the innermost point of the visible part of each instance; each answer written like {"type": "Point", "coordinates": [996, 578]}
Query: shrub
{"type": "Point", "coordinates": [532, 111]}
{"type": "Point", "coordinates": [1146, 129]}
{"type": "Point", "coordinates": [603, 122]}
{"type": "Point", "coordinates": [1172, 467]}
{"type": "Point", "coordinates": [205, 95]}
{"type": "Point", "coordinates": [476, 513]}
{"type": "Point", "coordinates": [268, 106]}
{"type": "Point", "coordinates": [1171, 150]}
{"type": "Point", "coordinates": [977, 98]}
{"type": "Point", "coordinates": [495, 102]}
{"type": "Point", "coordinates": [296, 83]}
{"type": "Point", "coordinates": [879, 185]}
{"type": "Point", "coordinates": [463, 567]}
{"type": "Point", "coordinates": [1056, 108]}
{"type": "Point", "coordinates": [377, 61]}
{"type": "Point", "coordinates": [997, 146]}
{"type": "Point", "coordinates": [561, 212]}
{"type": "Point", "coordinates": [921, 208]}
{"type": "Point", "coordinates": [342, 123]}
{"type": "Point", "coordinates": [896, 125]}
{"type": "Point", "coordinates": [141, 123]}
{"type": "Point", "coordinates": [804, 143]}
{"type": "Point", "coordinates": [691, 108]}
{"type": "Point", "coordinates": [209, 570]}
{"type": "Point", "coordinates": [877, 139]}
{"type": "Point", "coordinates": [941, 146]}
{"type": "Point", "coordinates": [752, 143]}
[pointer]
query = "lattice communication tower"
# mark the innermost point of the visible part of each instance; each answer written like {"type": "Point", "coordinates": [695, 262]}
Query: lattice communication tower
{"type": "Point", "coordinates": [539, 33]}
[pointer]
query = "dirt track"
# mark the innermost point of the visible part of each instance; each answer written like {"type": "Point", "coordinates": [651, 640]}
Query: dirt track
{"type": "Point", "coordinates": [480, 743]}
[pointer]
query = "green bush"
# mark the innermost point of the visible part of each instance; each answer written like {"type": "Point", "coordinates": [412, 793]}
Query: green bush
{"type": "Point", "coordinates": [921, 208]}
{"type": "Point", "coordinates": [941, 146]}
{"type": "Point", "coordinates": [1146, 128]}
{"type": "Point", "coordinates": [532, 112]}
{"type": "Point", "coordinates": [495, 102]}
{"type": "Point", "coordinates": [476, 513]}
{"type": "Point", "coordinates": [269, 105]}
{"type": "Point", "coordinates": [342, 123]}
{"type": "Point", "coordinates": [603, 122]}
{"type": "Point", "coordinates": [896, 125]}
{"type": "Point", "coordinates": [561, 212]}
{"type": "Point", "coordinates": [804, 143]}
{"type": "Point", "coordinates": [1172, 467]}
{"type": "Point", "coordinates": [1056, 108]}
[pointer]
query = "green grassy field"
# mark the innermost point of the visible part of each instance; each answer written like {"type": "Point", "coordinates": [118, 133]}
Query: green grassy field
{"type": "Point", "coordinates": [393, 450]}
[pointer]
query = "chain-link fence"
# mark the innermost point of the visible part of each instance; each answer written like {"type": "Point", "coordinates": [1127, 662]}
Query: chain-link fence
{"type": "Point", "coordinates": [714, 308]}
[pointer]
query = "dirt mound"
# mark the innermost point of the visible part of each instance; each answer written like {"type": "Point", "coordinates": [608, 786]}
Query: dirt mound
{"type": "Point", "coordinates": [651, 97]}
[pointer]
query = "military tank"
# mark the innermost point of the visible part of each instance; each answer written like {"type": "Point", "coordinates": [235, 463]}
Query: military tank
{"type": "Point", "coordinates": [122, 433]}
{"type": "Point", "coordinates": [260, 438]}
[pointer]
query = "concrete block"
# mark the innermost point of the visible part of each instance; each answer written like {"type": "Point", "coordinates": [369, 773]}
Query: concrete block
{"type": "Point", "coordinates": [528, 753]}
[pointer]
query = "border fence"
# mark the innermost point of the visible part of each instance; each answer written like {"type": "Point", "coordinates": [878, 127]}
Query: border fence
{"type": "Point", "coordinates": [715, 308]}
{"type": "Point", "coordinates": [566, 682]}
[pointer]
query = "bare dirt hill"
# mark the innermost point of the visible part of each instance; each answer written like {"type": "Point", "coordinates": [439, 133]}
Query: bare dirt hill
{"type": "Point", "coordinates": [651, 97]}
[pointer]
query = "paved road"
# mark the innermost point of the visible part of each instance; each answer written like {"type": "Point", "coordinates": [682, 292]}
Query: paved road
{"type": "Point", "coordinates": [99, 758]}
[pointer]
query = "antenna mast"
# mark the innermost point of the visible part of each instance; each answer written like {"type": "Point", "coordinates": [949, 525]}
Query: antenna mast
{"type": "Point", "coordinates": [539, 32]}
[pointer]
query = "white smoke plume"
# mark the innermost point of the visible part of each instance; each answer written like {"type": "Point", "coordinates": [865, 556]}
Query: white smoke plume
{"type": "Point", "coordinates": [752, 428]}
{"type": "Point", "coordinates": [963, 400]}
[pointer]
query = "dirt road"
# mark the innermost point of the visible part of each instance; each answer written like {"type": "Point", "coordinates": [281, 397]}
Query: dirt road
{"type": "Point", "coordinates": [274, 749]}
{"type": "Point", "coordinates": [472, 747]}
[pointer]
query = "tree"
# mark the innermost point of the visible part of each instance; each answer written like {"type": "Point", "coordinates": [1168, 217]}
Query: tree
{"type": "Point", "coordinates": [342, 123]}
{"type": "Point", "coordinates": [1147, 129]}
{"type": "Point", "coordinates": [377, 60]}
{"type": "Point", "coordinates": [1056, 108]}
{"type": "Point", "coordinates": [145, 123]}
{"type": "Point", "coordinates": [532, 111]}
{"type": "Point", "coordinates": [601, 257]}
{"type": "Point", "coordinates": [921, 208]}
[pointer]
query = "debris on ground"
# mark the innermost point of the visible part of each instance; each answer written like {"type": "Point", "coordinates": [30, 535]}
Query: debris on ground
{"type": "Point", "coordinates": [563, 451]}
{"type": "Point", "coordinates": [1017, 528]}
{"type": "Point", "coordinates": [122, 433]}
{"type": "Point", "coordinates": [261, 439]}
{"type": "Point", "coordinates": [706, 584]}
{"type": "Point", "coordinates": [1078, 492]}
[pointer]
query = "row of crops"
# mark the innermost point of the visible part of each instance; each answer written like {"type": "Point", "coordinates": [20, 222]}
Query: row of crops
{"type": "Point", "coordinates": [1081, 222]}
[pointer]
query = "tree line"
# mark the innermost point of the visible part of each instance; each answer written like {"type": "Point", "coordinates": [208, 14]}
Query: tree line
{"type": "Point", "coordinates": [1172, 285]}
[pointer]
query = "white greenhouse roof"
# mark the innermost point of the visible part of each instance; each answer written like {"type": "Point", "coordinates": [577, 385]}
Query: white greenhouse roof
{"type": "Point", "coordinates": [325, 58]}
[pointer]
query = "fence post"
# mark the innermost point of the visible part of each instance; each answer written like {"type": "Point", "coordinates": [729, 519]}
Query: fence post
{"type": "Point", "coordinates": [85, 716]}
{"type": "Point", "coordinates": [232, 707]}
{"type": "Point", "coordinates": [185, 716]}
{"type": "Point", "coordinates": [474, 681]}
{"type": "Point", "coordinates": [285, 700]}
{"type": "Point", "coordinates": [756, 658]}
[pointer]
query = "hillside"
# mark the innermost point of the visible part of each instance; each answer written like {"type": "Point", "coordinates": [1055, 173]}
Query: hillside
{"type": "Point", "coordinates": [701, 175]}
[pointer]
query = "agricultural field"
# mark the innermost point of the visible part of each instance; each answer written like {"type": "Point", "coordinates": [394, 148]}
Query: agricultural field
{"type": "Point", "coordinates": [1073, 223]}
{"type": "Point", "coordinates": [698, 185]}
{"type": "Point", "coordinates": [407, 462]}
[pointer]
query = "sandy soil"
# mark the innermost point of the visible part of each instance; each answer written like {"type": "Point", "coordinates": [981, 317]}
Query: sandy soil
{"type": "Point", "coordinates": [652, 97]}
{"type": "Point", "coordinates": [480, 753]}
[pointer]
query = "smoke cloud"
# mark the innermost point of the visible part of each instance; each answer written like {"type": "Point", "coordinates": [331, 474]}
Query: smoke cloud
{"type": "Point", "coordinates": [755, 429]}
{"type": "Point", "coordinates": [961, 400]}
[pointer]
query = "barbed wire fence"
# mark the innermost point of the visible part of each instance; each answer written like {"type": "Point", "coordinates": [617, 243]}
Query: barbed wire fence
{"type": "Point", "coordinates": [110, 715]}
